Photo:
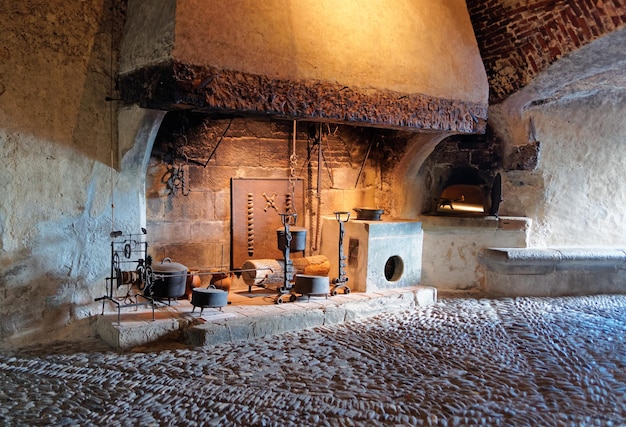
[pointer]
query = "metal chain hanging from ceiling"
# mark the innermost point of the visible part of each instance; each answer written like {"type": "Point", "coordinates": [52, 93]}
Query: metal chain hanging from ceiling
{"type": "Point", "coordinates": [293, 162]}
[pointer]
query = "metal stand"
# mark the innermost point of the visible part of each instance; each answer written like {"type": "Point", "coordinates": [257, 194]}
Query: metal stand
{"type": "Point", "coordinates": [340, 282]}
{"type": "Point", "coordinates": [288, 270]}
{"type": "Point", "coordinates": [123, 247]}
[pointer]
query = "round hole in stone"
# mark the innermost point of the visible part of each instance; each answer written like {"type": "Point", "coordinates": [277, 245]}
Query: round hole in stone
{"type": "Point", "coordinates": [394, 267]}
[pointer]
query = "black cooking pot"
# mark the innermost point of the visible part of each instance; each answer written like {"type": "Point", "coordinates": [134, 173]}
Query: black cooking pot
{"type": "Point", "coordinates": [369, 214]}
{"type": "Point", "coordinates": [312, 285]}
{"type": "Point", "coordinates": [170, 281]}
{"type": "Point", "coordinates": [298, 239]}
{"type": "Point", "coordinates": [208, 297]}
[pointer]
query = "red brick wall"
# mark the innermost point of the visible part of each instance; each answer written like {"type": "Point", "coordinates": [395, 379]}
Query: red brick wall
{"type": "Point", "coordinates": [518, 39]}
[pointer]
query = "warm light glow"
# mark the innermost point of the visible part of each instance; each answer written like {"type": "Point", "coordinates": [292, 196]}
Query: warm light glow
{"type": "Point", "coordinates": [461, 207]}
{"type": "Point", "coordinates": [461, 199]}
{"type": "Point", "coordinates": [411, 47]}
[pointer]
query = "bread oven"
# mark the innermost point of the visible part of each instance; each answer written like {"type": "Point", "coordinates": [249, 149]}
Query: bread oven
{"type": "Point", "coordinates": [460, 177]}
{"type": "Point", "coordinates": [462, 193]}
{"type": "Point", "coordinates": [466, 192]}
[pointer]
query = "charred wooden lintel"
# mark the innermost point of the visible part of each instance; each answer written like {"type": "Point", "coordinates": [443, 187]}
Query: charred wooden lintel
{"type": "Point", "coordinates": [175, 86]}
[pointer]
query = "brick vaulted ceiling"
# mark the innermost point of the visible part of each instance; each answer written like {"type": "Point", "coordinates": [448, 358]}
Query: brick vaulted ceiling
{"type": "Point", "coordinates": [519, 39]}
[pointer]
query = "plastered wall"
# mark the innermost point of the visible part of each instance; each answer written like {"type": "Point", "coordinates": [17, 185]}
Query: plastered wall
{"type": "Point", "coordinates": [431, 50]}
{"type": "Point", "coordinates": [59, 151]}
{"type": "Point", "coordinates": [574, 111]}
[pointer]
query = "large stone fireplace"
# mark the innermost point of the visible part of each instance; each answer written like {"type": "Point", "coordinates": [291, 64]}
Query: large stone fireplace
{"type": "Point", "coordinates": [283, 104]}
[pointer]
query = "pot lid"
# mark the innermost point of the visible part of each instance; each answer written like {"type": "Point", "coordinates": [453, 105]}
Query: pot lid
{"type": "Point", "coordinates": [368, 210]}
{"type": "Point", "coordinates": [167, 266]}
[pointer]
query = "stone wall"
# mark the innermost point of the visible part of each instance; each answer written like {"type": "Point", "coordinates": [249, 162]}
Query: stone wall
{"type": "Point", "coordinates": [517, 39]}
{"type": "Point", "coordinates": [192, 223]}
{"type": "Point", "coordinates": [572, 116]}
{"type": "Point", "coordinates": [59, 151]}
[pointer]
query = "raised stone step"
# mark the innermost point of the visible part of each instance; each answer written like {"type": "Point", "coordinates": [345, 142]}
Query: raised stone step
{"type": "Point", "coordinates": [251, 316]}
{"type": "Point", "coordinates": [314, 312]}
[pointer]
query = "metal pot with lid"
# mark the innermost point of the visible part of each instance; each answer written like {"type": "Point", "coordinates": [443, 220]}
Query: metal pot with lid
{"type": "Point", "coordinates": [369, 214]}
{"type": "Point", "coordinates": [170, 279]}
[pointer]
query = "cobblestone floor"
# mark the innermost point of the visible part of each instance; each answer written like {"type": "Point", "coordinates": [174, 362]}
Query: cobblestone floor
{"type": "Point", "coordinates": [460, 362]}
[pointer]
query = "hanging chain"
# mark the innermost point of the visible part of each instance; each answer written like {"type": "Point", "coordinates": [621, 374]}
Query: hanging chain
{"type": "Point", "coordinates": [293, 162]}
{"type": "Point", "coordinates": [183, 185]}
{"type": "Point", "coordinates": [178, 179]}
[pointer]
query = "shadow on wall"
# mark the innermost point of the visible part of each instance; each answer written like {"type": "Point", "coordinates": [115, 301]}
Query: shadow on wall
{"type": "Point", "coordinates": [407, 191]}
{"type": "Point", "coordinates": [55, 78]}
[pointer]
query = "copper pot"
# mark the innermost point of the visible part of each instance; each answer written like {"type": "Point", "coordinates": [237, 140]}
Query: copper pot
{"type": "Point", "coordinates": [193, 281]}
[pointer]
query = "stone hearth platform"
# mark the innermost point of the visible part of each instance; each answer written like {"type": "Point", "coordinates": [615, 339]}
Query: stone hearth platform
{"type": "Point", "coordinates": [249, 316]}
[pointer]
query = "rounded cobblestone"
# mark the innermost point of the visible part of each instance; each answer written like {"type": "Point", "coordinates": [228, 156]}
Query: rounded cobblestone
{"type": "Point", "coordinates": [460, 362]}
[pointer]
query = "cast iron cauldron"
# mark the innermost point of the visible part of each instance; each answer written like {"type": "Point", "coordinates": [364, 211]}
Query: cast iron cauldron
{"type": "Point", "coordinates": [312, 285]}
{"type": "Point", "coordinates": [369, 214]}
{"type": "Point", "coordinates": [298, 239]}
{"type": "Point", "coordinates": [171, 279]}
{"type": "Point", "coordinates": [208, 298]}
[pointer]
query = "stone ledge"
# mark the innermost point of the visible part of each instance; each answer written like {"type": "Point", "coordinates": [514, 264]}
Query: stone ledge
{"type": "Point", "coordinates": [554, 271]}
{"type": "Point", "coordinates": [180, 323]}
{"type": "Point", "coordinates": [434, 223]}
{"type": "Point", "coordinates": [542, 260]}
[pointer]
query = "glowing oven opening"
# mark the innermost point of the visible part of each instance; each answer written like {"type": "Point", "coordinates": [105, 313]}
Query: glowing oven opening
{"type": "Point", "coordinates": [461, 199]}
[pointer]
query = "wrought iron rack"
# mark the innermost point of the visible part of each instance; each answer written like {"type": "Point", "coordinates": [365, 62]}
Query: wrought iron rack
{"type": "Point", "coordinates": [129, 250]}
